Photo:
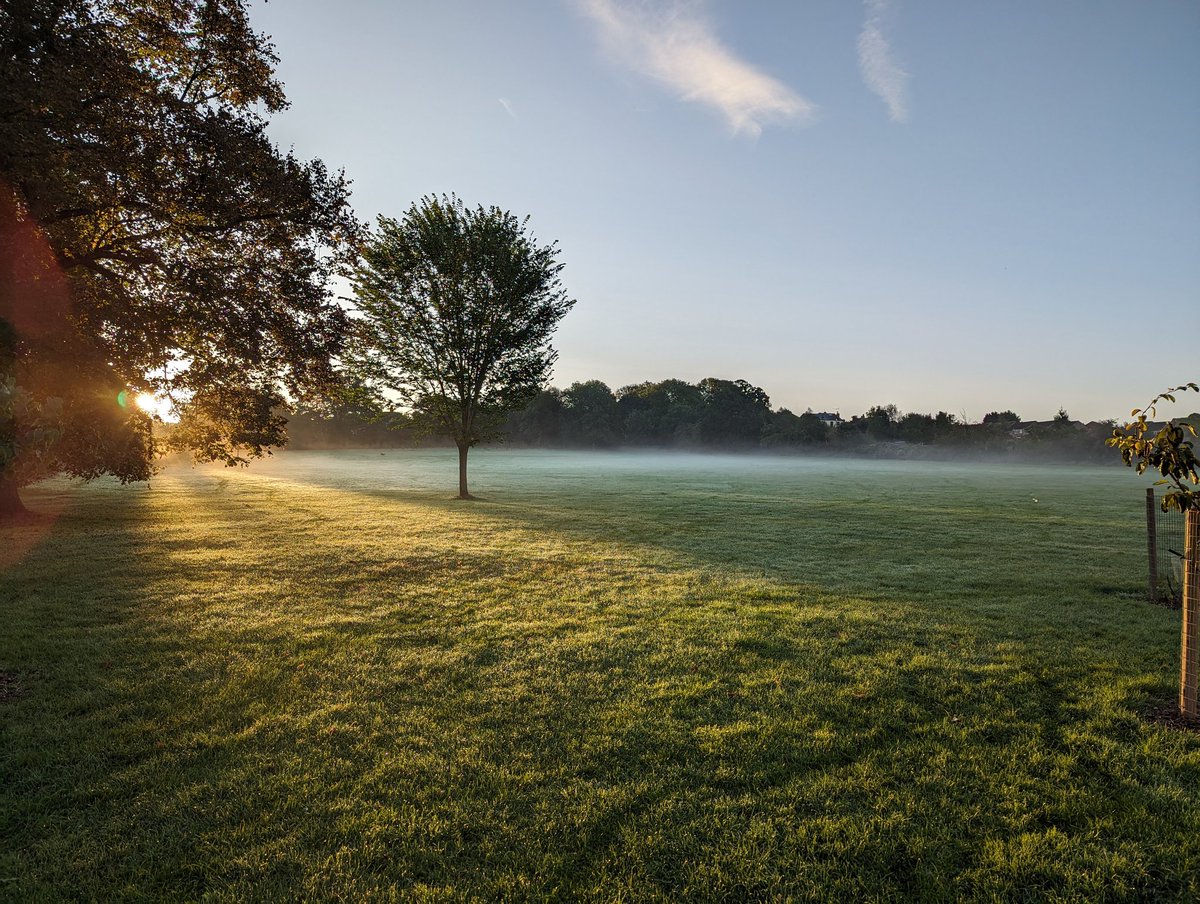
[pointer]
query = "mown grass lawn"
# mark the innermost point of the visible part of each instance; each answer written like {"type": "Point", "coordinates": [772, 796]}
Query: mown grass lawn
{"type": "Point", "coordinates": [614, 677]}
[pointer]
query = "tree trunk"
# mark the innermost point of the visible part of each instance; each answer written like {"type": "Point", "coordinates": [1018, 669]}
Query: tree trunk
{"type": "Point", "coordinates": [11, 507]}
{"type": "Point", "coordinates": [462, 471]}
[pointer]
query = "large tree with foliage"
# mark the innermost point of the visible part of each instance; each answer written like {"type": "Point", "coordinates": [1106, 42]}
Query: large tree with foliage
{"type": "Point", "coordinates": [666, 413]}
{"type": "Point", "coordinates": [591, 416]}
{"type": "Point", "coordinates": [154, 239]}
{"type": "Point", "coordinates": [457, 307]}
{"type": "Point", "coordinates": [735, 412]}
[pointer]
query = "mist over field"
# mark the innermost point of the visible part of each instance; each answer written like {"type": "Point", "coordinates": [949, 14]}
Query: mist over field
{"type": "Point", "coordinates": [501, 472]}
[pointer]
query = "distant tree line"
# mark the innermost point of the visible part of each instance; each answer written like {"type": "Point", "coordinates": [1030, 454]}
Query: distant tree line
{"type": "Point", "coordinates": [734, 415]}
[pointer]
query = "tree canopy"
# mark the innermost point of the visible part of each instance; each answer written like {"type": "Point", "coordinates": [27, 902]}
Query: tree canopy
{"type": "Point", "coordinates": [676, 414]}
{"type": "Point", "coordinates": [155, 239]}
{"type": "Point", "coordinates": [457, 309]}
{"type": "Point", "coordinates": [1166, 450]}
{"type": "Point", "coordinates": [592, 414]}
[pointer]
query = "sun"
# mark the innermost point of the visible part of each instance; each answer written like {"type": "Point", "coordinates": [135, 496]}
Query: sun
{"type": "Point", "coordinates": [153, 405]}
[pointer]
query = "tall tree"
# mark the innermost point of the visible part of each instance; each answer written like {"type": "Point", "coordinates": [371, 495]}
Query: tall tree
{"type": "Point", "coordinates": [666, 413]}
{"type": "Point", "coordinates": [457, 309]}
{"type": "Point", "coordinates": [917, 428]}
{"type": "Point", "coordinates": [642, 408]}
{"type": "Point", "coordinates": [591, 416]}
{"type": "Point", "coordinates": [735, 412]}
{"type": "Point", "coordinates": [1002, 419]}
{"type": "Point", "coordinates": [154, 238]}
{"type": "Point", "coordinates": [787, 429]}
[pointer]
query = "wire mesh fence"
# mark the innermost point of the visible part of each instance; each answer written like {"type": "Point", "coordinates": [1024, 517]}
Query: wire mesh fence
{"type": "Point", "coordinates": [1164, 539]}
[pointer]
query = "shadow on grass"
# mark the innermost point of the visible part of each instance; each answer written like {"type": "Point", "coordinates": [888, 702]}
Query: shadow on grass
{"type": "Point", "coordinates": [920, 549]}
{"type": "Point", "coordinates": [246, 717]}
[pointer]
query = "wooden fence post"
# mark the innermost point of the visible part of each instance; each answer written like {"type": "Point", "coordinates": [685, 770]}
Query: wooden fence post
{"type": "Point", "coordinates": [1152, 544]}
{"type": "Point", "coordinates": [1189, 672]}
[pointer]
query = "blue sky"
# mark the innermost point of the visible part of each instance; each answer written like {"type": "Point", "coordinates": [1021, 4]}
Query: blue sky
{"type": "Point", "coordinates": [942, 205]}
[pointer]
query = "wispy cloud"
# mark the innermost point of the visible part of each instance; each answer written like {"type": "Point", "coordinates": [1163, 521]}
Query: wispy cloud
{"type": "Point", "coordinates": [676, 45]}
{"type": "Point", "coordinates": [881, 73]}
{"type": "Point", "coordinates": [508, 107]}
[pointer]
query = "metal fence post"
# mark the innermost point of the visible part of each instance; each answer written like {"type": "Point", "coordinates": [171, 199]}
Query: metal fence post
{"type": "Point", "coordinates": [1189, 672]}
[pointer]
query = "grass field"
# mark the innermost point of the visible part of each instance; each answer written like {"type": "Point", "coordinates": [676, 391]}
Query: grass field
{"type": "Point", "coordinates": [613, 677]}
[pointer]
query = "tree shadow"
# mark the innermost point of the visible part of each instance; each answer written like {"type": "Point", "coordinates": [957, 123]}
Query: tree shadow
{"type": "Point", "coordinates": [288, 712]}
{"type": "Point", "coordinates": [875, 548]}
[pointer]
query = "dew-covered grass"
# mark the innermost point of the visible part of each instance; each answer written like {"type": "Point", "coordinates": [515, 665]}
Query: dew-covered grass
{"type": "Point", "coordinates": [613, 677]}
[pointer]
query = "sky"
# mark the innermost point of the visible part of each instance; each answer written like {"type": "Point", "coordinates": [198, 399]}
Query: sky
{"type": "Point", "coordinates": [944, 205]}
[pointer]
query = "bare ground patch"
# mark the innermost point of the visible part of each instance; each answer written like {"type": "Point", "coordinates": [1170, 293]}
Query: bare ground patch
{"type": "Point", "coordinates": [1167, 715]}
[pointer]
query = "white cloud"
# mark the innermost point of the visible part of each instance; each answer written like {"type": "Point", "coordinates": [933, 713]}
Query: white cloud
{"type": "Point", "coordinates": [508, 107]}
{"type": "Point", "coordinates": [673, 43]}
{"type": "Point", "coordinates": [881, 73]}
